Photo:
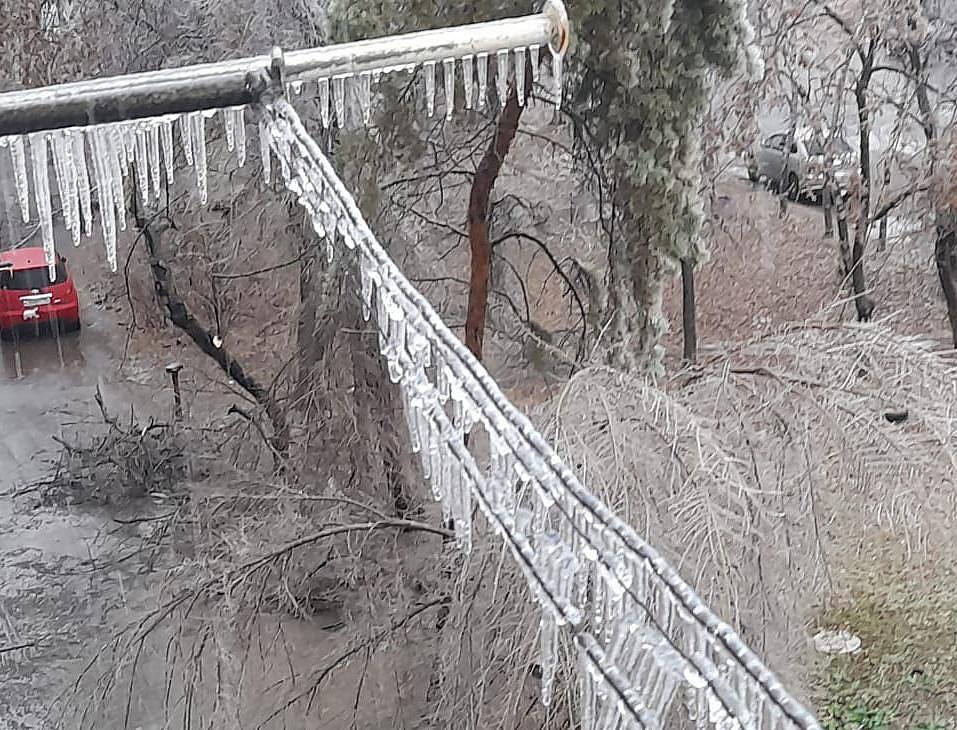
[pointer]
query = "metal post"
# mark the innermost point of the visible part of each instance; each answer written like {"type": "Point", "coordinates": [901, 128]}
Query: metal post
{"type": "Point", "coordinates": [229, 83]}
{"type": "Point", "coordinates": [173, 369]}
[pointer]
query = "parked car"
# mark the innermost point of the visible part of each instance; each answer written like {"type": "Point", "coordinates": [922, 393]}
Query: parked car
{"type": "Point", "coordinates": [29, 299]}
{"type": "Point", "coordinates": [798, 168]}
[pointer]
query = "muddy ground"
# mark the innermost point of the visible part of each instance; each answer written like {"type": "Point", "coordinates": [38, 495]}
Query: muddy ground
{"type": "Point", "coordinates": [62, 592]}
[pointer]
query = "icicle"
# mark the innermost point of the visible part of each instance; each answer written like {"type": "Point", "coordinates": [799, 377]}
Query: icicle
{"type": "Point", "coordinates": [410, 419]}
{"type": "Point", "coordinates": [482, 68]}
{"type": "Point", "coordinates": [128, 135]}
{"type": "Point", "coordinates": [230, 129]}
{"type": "Point", "coordinates": [20, 176]}
{"type": "Point", "coordinates": [186, 136]}
{"type": "Point", "coordinates": [534, 57]}
{"type": "Point", "coordinates": [548, 659]}
{"type": "Point", "coordinates": [586, 697]}
{"type": "Point", "coordinates": [141, 165]}
{"type": "Point", "coordinates": [54, 139]}
{"type": "Point", "coordinates": [153, 150]}
{"type": "Point", "coordinates": [166, 132]}
{"type": "Point", "coordinates": [115, 158]}
{"type": "Point", "coordinates": [501, 76]}
{"type": "Point", "coordinates": [198, 127]}
{"type": "Point", "coordinates": [83, 181]}
{"type": "Point", "coordinates": [62, 148]}
{"type": "Point", "coordinates": [324, 110]}
{"type": "Point", "coordinates": [369, 278]}
{"type": "Point", "coordinates": [239, 117]}
{"type": "Point", "coordinates": [429, 68]}
{"type": "Point", "coordinates": [520, 75]}
{"type": "Point", "coordinates": [557, 79]}
{"type": "Point", "coordinates": [468, 77]}
{"type": "Point", "coordinates": [41, 187]}
{"type": "Point", "coordinates": [264, 153]}
{"type": "Point", "coordinates": [104, 186]}
{"type": "Point", "coordinates": [70, 174]}
{"type": "Point", "coordinates": [364, 93]}
{"type": "Point", "coordinates": [448, 66]}
{"type": "Point", "coordinates": [462, 492]}
{"type": "Point", "coordinates": [339, 98]}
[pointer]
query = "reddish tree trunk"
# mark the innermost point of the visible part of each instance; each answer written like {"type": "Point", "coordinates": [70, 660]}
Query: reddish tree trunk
{"type": "Point", "coordinates": [482, 184]}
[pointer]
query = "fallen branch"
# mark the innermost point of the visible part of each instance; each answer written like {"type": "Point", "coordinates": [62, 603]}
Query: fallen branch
{"type": "Point", "coordinates": [205, 340]}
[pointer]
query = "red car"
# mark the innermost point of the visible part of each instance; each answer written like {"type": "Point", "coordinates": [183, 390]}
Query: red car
{"type": "Point", "coordinates": [28, 297]}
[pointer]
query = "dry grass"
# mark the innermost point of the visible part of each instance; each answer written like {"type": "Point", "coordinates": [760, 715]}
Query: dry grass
{"type": "Point", "coordinates": [905, 613]}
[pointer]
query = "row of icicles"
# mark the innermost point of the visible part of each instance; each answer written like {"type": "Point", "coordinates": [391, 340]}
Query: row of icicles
{"type": "Point", "coordinates": [143, 149]}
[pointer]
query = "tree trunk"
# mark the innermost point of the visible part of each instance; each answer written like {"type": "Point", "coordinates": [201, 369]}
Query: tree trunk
{"type": "Point", "coordinates": [863, 303]}
{"type": "Point", "coordinates": [827, 203]}
{"type": "Point", "coordinates": [477, 217]}
{"type": "Point", "coordinates": [688, 325]}
{"type": "Point", "coordinates": [945, 253]}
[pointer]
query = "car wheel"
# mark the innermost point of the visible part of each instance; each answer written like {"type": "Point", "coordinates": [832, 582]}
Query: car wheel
{"type": "Point", "coordinates": [794, 187]}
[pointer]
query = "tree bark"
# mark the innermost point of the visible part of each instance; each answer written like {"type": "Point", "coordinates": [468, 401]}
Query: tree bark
{"type": "Point", "coordinates": [945, 254]}
{"type": "Point", "coordinates": [945, 245]}
{"type": "Point", "coordinates": [688, 324]}
{"type": "Point", "coordinates": [202, 337]}
{"type": "Point", "coordinates": [862, 302]}
{"type": "Point", "coordinates": [827, 203]}
{"type": "Point", "coordinates": [477, 216]}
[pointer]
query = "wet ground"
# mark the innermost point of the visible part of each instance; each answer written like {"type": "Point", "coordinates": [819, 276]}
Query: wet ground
{"type": "Point", "coordinates": [57, 597]}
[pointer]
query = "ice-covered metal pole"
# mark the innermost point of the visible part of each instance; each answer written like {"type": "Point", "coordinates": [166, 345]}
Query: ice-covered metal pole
{"type": "Point", "coordinates": [230, 83]}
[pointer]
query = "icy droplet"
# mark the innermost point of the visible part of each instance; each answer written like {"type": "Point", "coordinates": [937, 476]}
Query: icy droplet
{"type": "Point", "coordinates": [230, 129]}
{"type": "Point", "coordinates": [198, 126]}
{"type": "Point", "coordinates": [482, 70]}
{"type": "Point", "coordinates": [324, 110]}
{"type": "Point", "coordinates": [166, 132]}
{"type": "Point", "coordinates": [364, 92]}
{"type": "Point", "coordinates": [20, 176]}
{"type": "Point", "coordinates": [429, 68]}
{"type": "Point", "coordinates": [534, 55]}
{"type": "Point", "coordinates": [239, 114]}
{"type": "Point", "coordinates": [448, 67]}
{"type": "Point", "coordinates": [153, 148]}
{"type": "Point", "coordinates": [141, 164]}
{"type": "Point", "coordinates": [557, 79]}
{"type": "Point", "coordinates": [186, 137]}
{"type": "Point", "coordinates": [548, 658]}
{"type": "Point", "coordinates": [339, 98]}
{"type": "Point", "coordinates": [41, 188]}
{"type": "Point", "coordinates": [520, 75]}
{"type": "Point", "coordinates": [83, 181]}
{"type": "Point", "coordinates": [468, 77]}
{"type": "Point", "coordinates": [501, 76]}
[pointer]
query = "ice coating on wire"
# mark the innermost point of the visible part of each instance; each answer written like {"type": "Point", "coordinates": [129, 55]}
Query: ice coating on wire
{"type": "Point", "coordinates": [649, 649]}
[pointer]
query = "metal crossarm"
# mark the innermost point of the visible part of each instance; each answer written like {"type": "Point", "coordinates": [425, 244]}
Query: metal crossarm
{"type": "Point", "coordinates": [234, 83]}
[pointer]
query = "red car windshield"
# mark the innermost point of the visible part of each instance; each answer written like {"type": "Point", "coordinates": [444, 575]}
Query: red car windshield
{"type": "Point", "coordinates": [27, 279]}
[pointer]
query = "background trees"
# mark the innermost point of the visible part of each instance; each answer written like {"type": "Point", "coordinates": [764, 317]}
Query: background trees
{"type": "Point", "coordinates": [565, 247]}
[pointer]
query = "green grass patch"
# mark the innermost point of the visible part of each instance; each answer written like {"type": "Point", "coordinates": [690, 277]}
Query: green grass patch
{"type": "Point", "coordinates": [905, 675]}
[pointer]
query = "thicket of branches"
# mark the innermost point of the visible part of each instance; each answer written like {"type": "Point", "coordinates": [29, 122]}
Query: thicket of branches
{"type": "Point", "coordinates": [308, 571]}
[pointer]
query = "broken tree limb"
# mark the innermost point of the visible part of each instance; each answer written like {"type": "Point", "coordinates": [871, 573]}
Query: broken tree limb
{"type": "Point", "coordinates": [202, 337]}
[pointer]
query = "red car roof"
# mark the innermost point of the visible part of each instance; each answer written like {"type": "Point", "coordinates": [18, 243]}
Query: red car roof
{"type": "Point", "coordinates": [24, 258]}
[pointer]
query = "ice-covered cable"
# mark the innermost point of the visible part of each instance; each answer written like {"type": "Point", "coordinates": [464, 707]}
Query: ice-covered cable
{"type": "Point", "coordinates": [642, 632]}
